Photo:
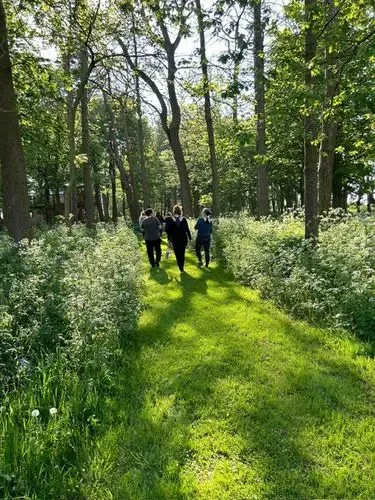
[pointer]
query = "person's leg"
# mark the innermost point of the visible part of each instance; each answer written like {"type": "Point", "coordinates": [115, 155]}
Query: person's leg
{"type": "Point", "coordinates": [157, 245]}
{"type": "Point", "coordinates": [150, 252]}
{"type": "Point", "coordinates": [206, 245]}
{"type": "Point", "coordinates": [198, 252]}
{"type": "Point", "coordinates": [182, 258]}
{"type": "Point", "coordinates": [179, 252]}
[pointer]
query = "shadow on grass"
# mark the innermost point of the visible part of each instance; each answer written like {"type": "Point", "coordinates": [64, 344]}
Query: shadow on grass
{"type": "Point", "coordinates": [269, 392]}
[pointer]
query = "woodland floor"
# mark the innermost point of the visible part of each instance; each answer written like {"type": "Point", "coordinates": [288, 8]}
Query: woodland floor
{"type": "Point", "coordinates": [222, 396]}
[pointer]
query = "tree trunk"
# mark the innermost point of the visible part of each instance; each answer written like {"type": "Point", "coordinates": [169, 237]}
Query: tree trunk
{"type": "Point", "coordinates": [310, 129]}
{"type": "Point", "coordinates": [86, 149]}
{"type": "Point", "coordinates": [71, 209]}
{"type": "Point", "coordinates": [262, 177]}
{"type": "Point", "coordinates": [172, 130]}
{"type": "Point", "coordinates": [123, 206]}
{"type": "Point", "coordinates": [326, 158]}
{"type": "Point", "coordinates": [131, 160]}
{"type": "Point", "coordinates": [329, 125]}
{"type": "Point", "coordinates": [208, 114]}
{"type": "Point", "coordinates": [112, 168]}
{"type": "Point", "coordinates": [114, 151]}
{"type": "Point", "coordinates": [174, 135]}
{"type": "Point", "coordinates": [105, 197]}
{"type": "Point", "coordinates": [236, 74]}
{"type": "Point", "coordinates": [98, 202]}
{"type": "Point", "coordinates": [140, 133]}
{"type": "Point", "coordinates": [13, 167]}
{"type": "Point", "coordinates": [178, 154]}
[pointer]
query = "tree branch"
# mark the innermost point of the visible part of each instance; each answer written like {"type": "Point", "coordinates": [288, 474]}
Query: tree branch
{"type": "Point", "coordinates": [164, 110]}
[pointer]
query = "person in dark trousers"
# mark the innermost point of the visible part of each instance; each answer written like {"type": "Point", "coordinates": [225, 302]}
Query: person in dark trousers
{"type": "Point", "coordinates": [204, 228]}
{"type": "Point", "coordinates": [161, 220]}
{"type": "Point", "coordinates": [151, 228]}
{"type": "Point", "coordinates": [180, 234]}
{"type": "Point", "coordinates": [168, 220]}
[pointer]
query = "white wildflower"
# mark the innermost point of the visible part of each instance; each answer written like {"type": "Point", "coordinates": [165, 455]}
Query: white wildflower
{"type": "Point", "coordinates": [35, 413]}
{"type": "Point", "coordinates": [24, 364]}
{"type": "Point", "coordinates": [53, 411]}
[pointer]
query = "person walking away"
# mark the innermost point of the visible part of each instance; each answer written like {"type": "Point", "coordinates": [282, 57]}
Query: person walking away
{"type": "Point", "coordinates": [142, 217]}
{"type": "Point", "coordinates": [204, 232]}
{"type": "Point", "coordinates": [161, 220]}
{"type": "Point", "coordinates": [168, 220]}
{"type": "Point", "coordinates": [180, 234]}
{"type": "Point", "coordinates": [151, 230]}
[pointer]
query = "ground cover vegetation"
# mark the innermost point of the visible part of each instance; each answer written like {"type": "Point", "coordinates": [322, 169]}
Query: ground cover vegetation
{"type": "Point", "coordinates": [69, 303]}
{"type": "Point", "coordinates": [331, 282]}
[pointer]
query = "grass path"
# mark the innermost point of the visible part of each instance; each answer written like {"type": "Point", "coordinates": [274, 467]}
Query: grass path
{"type": "Point", "coordinates": [223, 397]}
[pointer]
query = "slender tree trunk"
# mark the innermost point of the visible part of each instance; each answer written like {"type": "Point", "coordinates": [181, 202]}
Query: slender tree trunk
{"type": "Point", "coordinates": [98, 202]}
{"type": "Point", "coordinates": [262, 178]}
{"type": "Point", "coordinates": [13, 167]}
{"type": "Point", "coordinates": [124, 177]}
{"type": "Point", "coordinates": [208, 114]}
{"type": "Point", "coordinates": [71, 209]}
{"type": "Point", "coordinates": [112, 167]}
{"type": "Point", "coordinates": [123, 205]}
{"type": "Point", "coordinates": [57, 204]}
{"type": "Point", "coordinates": [236, 74]}
{"type": "Point", "coordinates": [105, 197]}
{"type": "Point", "coordinates": [140, 133]}
{"type": "Point", "coordinates": [131, 160]}
{"type": "Point", "coordinates": [178, 154]}
{"type": "Point", "coordinates": [174, 135]}
{"type": "Point", "coordinates": [329, 124]}
{"type": "Point", "coordinates": [326, 158]}
{"type": "Point", "coordinates": [47, 210]}
{"type": "Point", "coordinates": [310, 129]}
{"type": "Point", "coordinates": [86, 149]}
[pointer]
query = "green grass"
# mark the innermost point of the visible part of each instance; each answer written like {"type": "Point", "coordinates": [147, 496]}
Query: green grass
{"type": "Point", "coordinates": [221, 396]}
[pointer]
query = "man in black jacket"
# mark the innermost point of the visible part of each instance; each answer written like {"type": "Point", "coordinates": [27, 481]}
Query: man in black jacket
{"type": "Point", "coordinates": [151, 228]}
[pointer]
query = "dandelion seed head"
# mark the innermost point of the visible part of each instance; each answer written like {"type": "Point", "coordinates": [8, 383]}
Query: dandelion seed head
{"type": "Point", "coordinates": [35, 413]}
{"type": "Point", "coordinates": [53, 411]}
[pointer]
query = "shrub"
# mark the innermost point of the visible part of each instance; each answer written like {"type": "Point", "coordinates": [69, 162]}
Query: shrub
{"type": "Point", "coordinates": [331, 282]}
{"type": "Point", "coordinates": [69, 301]}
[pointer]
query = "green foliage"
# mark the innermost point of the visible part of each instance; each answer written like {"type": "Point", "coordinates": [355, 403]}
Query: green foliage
{"type": "Point", "coordinates": [331, 283]}
{"type": "Point", "coordinates": [69, 303]}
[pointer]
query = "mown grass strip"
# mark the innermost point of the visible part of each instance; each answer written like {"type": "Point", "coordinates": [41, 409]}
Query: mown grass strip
{"type": "Point", "coordinates": [221, 396]}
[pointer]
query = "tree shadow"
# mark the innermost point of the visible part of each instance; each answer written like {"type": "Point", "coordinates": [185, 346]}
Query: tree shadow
{"type": "Point", "coordinates": [269, 393]}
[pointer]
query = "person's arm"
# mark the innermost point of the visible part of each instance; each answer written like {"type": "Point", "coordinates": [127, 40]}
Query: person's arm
{"type": "Point", "coordinates": [188, 230]}
{"type": "Point", "coordinates": [196, 225]}
{"type": "Point", "coordinates": [211, 227]}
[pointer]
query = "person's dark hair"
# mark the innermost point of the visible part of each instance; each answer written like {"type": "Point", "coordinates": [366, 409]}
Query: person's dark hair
{"type": "Point", "coordinates": [177, 210]}
{"type": "Point", "coordinates": [149, 212]}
